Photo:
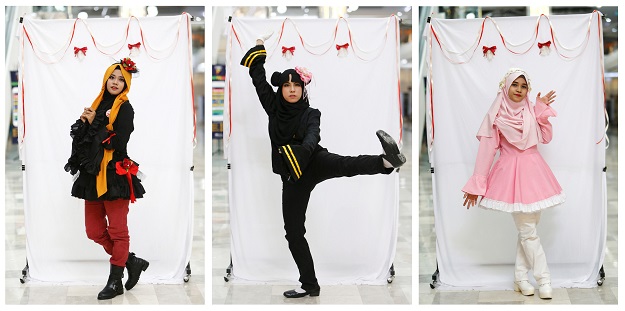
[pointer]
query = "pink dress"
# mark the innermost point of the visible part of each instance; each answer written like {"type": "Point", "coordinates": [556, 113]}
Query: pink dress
{"type": "Point", "coordinates": [520, 180]}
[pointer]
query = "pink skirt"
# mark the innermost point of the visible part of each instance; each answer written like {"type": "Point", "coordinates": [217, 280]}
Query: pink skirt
{"type": "Point", "coordinates": [521, 181]}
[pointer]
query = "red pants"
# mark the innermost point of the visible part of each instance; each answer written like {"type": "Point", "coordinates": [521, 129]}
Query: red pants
{"type": "Point", "coordinates": [113, 236]}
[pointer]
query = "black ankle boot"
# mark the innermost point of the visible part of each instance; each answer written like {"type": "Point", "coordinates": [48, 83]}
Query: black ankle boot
{"type": "Point", "coordinates": [114, 284]}
{"type": "Point", "coordinates": [134, 265]}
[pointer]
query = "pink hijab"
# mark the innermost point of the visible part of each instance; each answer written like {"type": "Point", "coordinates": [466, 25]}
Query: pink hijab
{"type": "Point", "coordinates": [515, 121]}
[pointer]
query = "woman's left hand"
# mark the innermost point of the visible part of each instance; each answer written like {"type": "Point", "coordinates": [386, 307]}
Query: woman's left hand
{"type": "Point", "coordinates": [547, 99]}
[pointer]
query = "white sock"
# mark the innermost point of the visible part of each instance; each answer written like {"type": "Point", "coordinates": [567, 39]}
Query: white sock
{"type": "Point", "coordinates": [300, 290]}
{"type": "Point", "coordinates": [387, 164]}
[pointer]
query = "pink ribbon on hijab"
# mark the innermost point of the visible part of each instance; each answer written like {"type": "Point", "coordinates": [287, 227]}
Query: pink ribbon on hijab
{"type": "Point", "coordinates": [515, 121]}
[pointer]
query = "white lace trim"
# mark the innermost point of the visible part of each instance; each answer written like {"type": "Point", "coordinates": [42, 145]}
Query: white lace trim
{"type": "Point", "coordinates": [520, 207]}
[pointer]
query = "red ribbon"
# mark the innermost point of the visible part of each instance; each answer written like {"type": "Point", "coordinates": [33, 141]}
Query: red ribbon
{"type": "Point", "coordinates": [109, 138]}
{"type": "Point", "coordinates": [136, 45]}
{"type": "Point", "coordinates": [285, 49]}
{"type": "Point", "coordinates": [492, 49]}
{"type": "Point", "coordinates": [344, 46]}
{"type": "Point", "coordinates": [547, 44]}
{"type": "Point", "coordinates": [82, 49]}
{"type": "Point", "coordinates": [128, 167]}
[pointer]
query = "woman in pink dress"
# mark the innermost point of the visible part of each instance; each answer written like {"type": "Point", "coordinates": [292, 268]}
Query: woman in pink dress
{"type": "Point", "coordinates": [520, 182]}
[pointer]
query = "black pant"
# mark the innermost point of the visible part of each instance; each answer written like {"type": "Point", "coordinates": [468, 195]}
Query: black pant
{"type": "Point", "coordinates": [324, 165]}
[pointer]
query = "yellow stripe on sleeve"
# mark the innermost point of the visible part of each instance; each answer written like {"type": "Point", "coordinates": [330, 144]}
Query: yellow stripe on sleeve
{"type": "Point", "coordinates": [250, 59]}
{"type": "Point", "coordinates": [290, 160]}
{"type": "Point", "coordinates": [295, 159]}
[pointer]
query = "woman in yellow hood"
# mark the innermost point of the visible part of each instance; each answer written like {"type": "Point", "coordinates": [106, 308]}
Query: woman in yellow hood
{"type": "Point", "coordinates": [107, 178]}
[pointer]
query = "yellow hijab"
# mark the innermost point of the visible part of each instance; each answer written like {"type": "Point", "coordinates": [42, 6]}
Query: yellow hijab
{"type": "Point", "coordinates": [119, 100]}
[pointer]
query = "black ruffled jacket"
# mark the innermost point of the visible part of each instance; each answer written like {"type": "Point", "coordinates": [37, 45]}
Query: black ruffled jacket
{"type": "Point", "coordinates": [88, 150]}
{"type": "Point", "coordinates": [305, 142]}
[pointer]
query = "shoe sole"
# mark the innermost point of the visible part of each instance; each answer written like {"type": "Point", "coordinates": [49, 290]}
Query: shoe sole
{"type": "Point", "coordinates": [311, 294]}
{"type": "Point", "coordinates": [388, 143]}
{"type": "Point", "coordinates": [396, 160]}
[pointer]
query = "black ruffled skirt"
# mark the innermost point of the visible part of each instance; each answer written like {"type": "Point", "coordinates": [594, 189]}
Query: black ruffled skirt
{"type": "Point", "coordinates": [86, 156]}
{"type": "Point", "coordinates": [117, 186]}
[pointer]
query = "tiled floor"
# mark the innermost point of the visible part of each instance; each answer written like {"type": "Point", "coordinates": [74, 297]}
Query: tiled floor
{"type": "Point", "coordinates": [398, 292]}
{"type": "Point", "coordinates": [189, 293]}
{"type": "Point", "coordinates": [605, 294]}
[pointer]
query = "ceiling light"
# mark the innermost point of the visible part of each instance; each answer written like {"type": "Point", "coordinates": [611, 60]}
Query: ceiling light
{"type": "Point", "coordinates": [83, 15]}
{"type": "Point", "coordinates": [152, 11]}
{"type": "Point", "coordinates": [281, 9]}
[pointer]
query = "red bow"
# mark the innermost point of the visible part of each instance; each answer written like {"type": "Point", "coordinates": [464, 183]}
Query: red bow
{"type": "Point", "coordinates": [344, 46]}
{"type": "Point", "coordinates": [127, 167]}
{"type": "Point", "coordinates": [547, 44]}
{"type": "Point", "coordinates": [492, 49]}
{"type": "Point", "coordinates": [82, 49]}
{"type": "Point", "coordinates": [291, 49]}
{"type": "Point", "coordinates": [106, 141]}
{"type": "Point", "coordinates": [136, 45]}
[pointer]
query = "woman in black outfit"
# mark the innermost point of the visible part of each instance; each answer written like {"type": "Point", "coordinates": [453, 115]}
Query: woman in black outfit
{"type": "Point", "coordinates": [107, 178]}
{"type": "Point", "coordinates": [299, 159]}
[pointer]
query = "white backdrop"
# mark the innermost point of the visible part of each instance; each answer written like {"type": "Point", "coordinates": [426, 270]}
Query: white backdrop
{"type": "Point", "coordinates": [476, 248]}
{"type": "Point", "coordinates": [56, 86]}
{"type": "Point", "coordinates": [351, 222]}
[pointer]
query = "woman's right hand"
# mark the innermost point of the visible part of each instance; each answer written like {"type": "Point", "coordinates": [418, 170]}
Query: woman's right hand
{"type": "Point", "coordinates": [262, 38]}
{"type": "Point", "coordinates": [87, 115]}
{"type": "Point", "coordinates": [469, 200]}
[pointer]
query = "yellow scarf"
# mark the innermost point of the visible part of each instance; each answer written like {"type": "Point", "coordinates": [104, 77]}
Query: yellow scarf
{"type": "Point", "coordinates": [119, 100]}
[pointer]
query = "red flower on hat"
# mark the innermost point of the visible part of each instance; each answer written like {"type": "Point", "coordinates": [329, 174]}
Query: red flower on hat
{"type": "Point", "coordinates": [128, 65]}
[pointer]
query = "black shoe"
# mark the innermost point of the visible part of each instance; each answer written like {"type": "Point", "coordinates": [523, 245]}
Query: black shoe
{"type": "Point", "coordinates": [391, 151]}
{"type": "Point", "coordinates": [134, 265]}
{"type": "Point", "coordinates": [293, 294]}
{"type": "Point", "coordinates": [114, 284]}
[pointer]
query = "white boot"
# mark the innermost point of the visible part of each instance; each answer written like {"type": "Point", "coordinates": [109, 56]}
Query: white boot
{"type": "Point", "coordinates": [544, 290]}
{"type": "Point", "coordinates": [524, 287]}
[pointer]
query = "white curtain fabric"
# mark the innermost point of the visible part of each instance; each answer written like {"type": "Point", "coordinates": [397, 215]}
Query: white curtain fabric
{"type": "Point", "coordinates": [476, 248]}
{"type": "Point", "coordinates": [351, 222]}
{"type": "Point", "coordinates": [55, 87]}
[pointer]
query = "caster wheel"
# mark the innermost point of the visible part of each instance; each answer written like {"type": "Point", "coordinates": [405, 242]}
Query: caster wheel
{"type": "Point", "coordinates": [600, 282]}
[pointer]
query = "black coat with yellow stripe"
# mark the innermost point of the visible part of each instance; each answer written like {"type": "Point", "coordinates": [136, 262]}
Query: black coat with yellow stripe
{"type": "Point", "coordinates": [288, 160]}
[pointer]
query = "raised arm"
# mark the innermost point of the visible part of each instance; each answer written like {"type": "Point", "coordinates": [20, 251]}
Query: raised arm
{"type": "Point", "coordinates": [543, 111]}
{"type": "Point", "coordinates": [255, 60]}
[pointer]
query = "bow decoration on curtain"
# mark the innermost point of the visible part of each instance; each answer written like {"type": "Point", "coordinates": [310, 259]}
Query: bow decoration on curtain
{"type": "Point", "coordinates": [287, 52]}
{"type": "Point", "coordinates": [80, 53]}
{"type": "Point", "coordinates": [128, 168]}
{"type": "Point", "coordinates": [489, 52]}
{"type": "Point", "coordinates": [134, 48]}
{"type": "Point", "coordinates": [544, 48]}
{"type": "Point", "coordinates": [342, 50]}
